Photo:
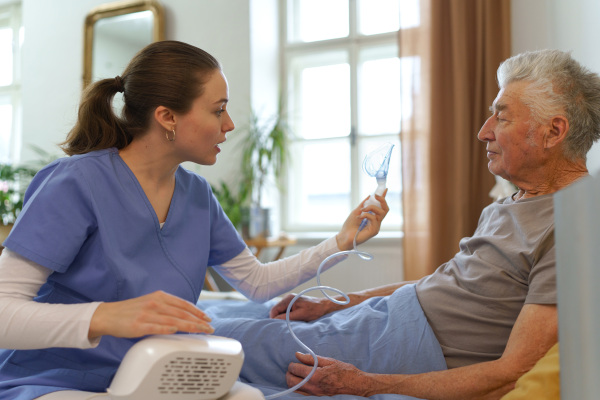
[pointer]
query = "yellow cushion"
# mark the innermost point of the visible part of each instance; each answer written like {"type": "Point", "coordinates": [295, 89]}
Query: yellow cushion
{"type": "Point", "coordinates": [542, 382]}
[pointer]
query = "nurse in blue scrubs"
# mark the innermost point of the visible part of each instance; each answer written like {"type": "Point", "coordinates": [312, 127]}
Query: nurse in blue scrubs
{"type": "Point", "coordinates": [113, 241]}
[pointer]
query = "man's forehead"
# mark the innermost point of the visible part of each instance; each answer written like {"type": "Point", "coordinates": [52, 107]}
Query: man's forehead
{"type": "Point", "coordinates": [508, 96]}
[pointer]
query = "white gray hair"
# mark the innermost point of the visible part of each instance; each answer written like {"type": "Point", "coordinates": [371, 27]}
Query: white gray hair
{"type": "Point", "coordinates": [558, 85]}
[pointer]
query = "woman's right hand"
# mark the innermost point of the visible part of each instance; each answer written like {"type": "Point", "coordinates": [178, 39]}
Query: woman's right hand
{"type": "Point", "coordinates": [157, 313]}
{"type": "Point", "coordinates": [306, 308]}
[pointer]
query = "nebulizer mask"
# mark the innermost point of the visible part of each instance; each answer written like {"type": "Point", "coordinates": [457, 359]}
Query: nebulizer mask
{"type": "Point", "coordinates": [375, 164]}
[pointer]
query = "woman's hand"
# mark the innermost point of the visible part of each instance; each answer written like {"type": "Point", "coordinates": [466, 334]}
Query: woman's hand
{"type": "Point", "coordinates": [306, 308]}
{"type": "Point", "coordinates": [374, 215]}
{"type": "Point", "coordinates": [157, 313]}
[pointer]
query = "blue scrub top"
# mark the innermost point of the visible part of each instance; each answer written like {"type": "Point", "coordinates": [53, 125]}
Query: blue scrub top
{"type": "Point", "coordinates": [87, 218]}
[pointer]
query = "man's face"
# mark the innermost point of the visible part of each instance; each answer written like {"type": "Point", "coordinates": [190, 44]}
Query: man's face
{"type": "Point", "coordinates": [514, 140]}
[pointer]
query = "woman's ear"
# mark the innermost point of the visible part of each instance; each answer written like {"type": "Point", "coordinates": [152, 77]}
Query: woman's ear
{"type": "Point", "coordinates": [557, 132]}
{"type": "Point", "coordinates": [165, 117]}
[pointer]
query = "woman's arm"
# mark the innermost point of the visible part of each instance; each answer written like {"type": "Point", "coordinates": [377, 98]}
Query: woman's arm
{"type": "Point", "coordinates": [263, 281]}
{"type": "Point", "coordinates": [28, 324]}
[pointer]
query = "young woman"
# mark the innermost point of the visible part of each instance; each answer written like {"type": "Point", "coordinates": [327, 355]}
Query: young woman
{"type": "Point", "coordinates": [114, 241]}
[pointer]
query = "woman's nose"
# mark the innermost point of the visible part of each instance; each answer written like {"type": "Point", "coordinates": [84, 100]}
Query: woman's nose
{"type": "Point", "coordinates": [228, 125]}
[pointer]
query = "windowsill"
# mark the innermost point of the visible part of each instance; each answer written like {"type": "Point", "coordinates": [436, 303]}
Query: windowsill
{"type": "Point", "coordinates": [311, 237]}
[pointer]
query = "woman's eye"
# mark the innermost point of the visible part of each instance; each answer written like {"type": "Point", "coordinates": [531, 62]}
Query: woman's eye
{"type": "Point", "coordinates": [220, 112]}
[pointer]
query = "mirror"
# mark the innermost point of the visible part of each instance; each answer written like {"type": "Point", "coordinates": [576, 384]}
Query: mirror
{"type": "Point", "coordinates": [115, 32]}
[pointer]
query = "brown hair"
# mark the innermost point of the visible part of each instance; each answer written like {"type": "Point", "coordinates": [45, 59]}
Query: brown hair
{"type": "Point", "coordinates": [167, 73]}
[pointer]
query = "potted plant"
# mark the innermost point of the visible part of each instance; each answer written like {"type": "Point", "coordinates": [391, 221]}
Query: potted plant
{"type": "Point", "coordinates": [264, 157]}
{"type": "Point", "coordinates": [13, 182]}
{"type": "Point", "coordinates": [231, 203]}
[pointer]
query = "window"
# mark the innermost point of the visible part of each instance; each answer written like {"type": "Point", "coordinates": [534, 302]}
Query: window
{"type": "Point", "coordinates": [11, 39]}
{"type": "Point", "coordinates": [343, 92]}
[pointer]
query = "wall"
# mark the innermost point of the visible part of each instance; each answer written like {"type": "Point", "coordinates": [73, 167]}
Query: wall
{"type": "Point", "coordinates": [53, 63]}
{"type": "Point", "coordinates": [569, 25]}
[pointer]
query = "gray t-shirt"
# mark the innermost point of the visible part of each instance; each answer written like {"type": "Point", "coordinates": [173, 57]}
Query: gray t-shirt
{"type": "Point", "coordinates": [473, 300]}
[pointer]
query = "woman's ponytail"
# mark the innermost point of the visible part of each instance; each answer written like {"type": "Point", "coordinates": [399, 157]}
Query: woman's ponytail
{"type": "Point", "coordinates": [97, 125]}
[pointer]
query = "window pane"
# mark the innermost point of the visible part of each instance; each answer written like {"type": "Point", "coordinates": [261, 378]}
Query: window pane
{"type": "Point", "coordinates": [410, 15]}
{"type": "Point", "coordinates": [379, 96]}
{"type": "Point", "coordinates": [320, 177]}
{"type": "Point", "coordinates": [314, 20]}
{"type": "Point", "coordinates": [368, 184]}
{"type": "Point", "coordinates": [5, 130]}
{"type": "Point", "coordinates": [378, 16]}
{"type": "Point", "coordinates": [6, 55]}
{"type": "Point", "coordinates": [323, 102]}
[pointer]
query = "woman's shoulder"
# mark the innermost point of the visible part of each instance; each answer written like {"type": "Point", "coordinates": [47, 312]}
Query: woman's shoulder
{"type": "Point", "coordinates": [81, 159]}
{"type": "Point", "coordinates": [62, 169]}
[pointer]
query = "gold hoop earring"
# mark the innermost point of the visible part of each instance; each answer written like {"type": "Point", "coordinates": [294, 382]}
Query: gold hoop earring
{"type": "Point", "coordinates": [170, 139]}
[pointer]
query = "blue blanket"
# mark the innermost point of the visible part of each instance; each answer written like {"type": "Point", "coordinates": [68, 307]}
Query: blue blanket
{"type": "Point", "coordinates": [381, 335]}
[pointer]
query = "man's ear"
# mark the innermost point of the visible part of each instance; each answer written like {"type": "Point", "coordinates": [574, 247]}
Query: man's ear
{"type": "Point", "coordinates": [557, 131]}
{"type": "Point", "coordinates": [165, 117]}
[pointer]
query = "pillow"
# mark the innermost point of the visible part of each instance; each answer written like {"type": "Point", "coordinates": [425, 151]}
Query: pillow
{"type": "Point", "coordinates": [541, 382]}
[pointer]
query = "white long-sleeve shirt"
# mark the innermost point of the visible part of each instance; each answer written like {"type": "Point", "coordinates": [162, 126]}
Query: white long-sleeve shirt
{"type": "Point", "coordinates": [27, 324]}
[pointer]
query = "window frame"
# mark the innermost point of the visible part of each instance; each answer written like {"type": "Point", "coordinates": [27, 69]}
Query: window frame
{"type": "Point", "coordinates": [351, 45]}
{"type": "Point", "coordinates": [11, 17]}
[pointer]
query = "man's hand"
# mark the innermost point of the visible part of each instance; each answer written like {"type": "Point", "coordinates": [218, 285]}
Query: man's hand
{"type": "Point", "coordinates": [331, 377]}
{"type": "Point", "coordinates": [306, 308]}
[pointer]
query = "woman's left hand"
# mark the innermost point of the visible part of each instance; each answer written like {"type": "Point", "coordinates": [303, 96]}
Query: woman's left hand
{"type": "Point", "coordinates": [374, 215]}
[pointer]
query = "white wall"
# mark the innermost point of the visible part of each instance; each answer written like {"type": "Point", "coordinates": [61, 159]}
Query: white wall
{"type": "Point", "coordinates": [568, 25]}
{"type": "Point", "coordinates": [53, 63]}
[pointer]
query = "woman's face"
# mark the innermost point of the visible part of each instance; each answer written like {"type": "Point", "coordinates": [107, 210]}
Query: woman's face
{"type": "Point", "coordinates": [514, 141]}
{"type": "Point", "coordinates": [200, 131]}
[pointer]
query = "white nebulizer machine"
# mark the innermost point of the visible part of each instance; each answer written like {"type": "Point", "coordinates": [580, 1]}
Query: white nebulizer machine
{"type": "Point", "coordinates": [205, 367]}
{"type": "Point", "coordinates": [182, 367]}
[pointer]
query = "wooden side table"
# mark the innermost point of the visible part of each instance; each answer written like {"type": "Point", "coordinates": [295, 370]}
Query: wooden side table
{"type": "Point", "coordinates": [258, 244]}
{"type": "Point", "coordinates": [261, 243]}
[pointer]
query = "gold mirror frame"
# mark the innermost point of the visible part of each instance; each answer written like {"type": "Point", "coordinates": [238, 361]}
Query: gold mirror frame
{"type": "Point", "coordinates": [112, 10]}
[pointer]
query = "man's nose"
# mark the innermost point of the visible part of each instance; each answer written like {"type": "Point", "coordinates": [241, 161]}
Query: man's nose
{"type": "Point", "coordinates": [486, 133]}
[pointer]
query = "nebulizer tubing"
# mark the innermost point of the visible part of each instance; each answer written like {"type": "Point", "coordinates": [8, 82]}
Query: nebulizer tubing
{"type": "Point", "coordinates": [376, 164]}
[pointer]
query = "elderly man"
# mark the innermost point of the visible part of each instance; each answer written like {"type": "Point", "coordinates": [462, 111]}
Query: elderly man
{"type": "Point", "coordinates": [493, 306]}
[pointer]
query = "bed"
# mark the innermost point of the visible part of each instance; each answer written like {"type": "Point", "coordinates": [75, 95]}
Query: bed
{"type": "Point", "coordinates": [382, 340]}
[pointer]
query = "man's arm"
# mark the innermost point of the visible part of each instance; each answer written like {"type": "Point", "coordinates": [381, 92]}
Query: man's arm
{"type": "Point", "coordinates": [535, 331]}
{"type": "Point", "coordinates": [308, 308]}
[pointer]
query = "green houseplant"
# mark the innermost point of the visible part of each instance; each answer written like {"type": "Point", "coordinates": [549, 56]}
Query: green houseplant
{"type": "Point", "coordinates": [264, 157]}
{"type": "Point", "coordinates": [14, 180]}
